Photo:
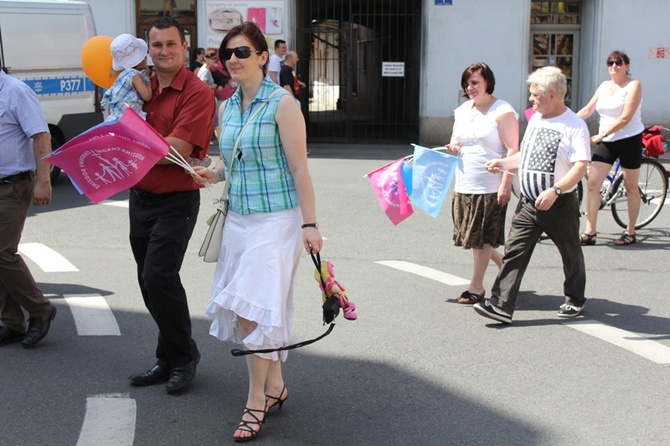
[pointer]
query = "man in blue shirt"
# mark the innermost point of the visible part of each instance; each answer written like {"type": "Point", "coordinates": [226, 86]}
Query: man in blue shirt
{"type": "Point", "coordinates": [24, 177]}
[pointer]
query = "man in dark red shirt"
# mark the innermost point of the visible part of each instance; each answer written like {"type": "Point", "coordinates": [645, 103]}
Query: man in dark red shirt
{"type": "Point", "coordinates": [164, 204]}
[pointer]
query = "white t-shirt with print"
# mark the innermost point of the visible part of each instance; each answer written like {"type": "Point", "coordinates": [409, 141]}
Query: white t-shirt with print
{"type": "Point", "coordinates": [549, 149]}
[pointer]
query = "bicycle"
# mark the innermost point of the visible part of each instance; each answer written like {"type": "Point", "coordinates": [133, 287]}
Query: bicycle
{"type": "Point", "coordinates": [653, 187]}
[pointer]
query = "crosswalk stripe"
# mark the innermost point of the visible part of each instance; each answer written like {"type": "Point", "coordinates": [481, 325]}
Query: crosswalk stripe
{"type": "Point", "coordinates": [424, 271]}
{"type": "Point", "coordinates": [115, 203]}
{"type": "Point", "coordinates": [92, 315]}
{"type": "Point", "coordinates": [651, 350]}
{"type": "Point", "coordinates": [109, 421]}
{"type": "Point", "coordinates": [630, 341]}
{"type": "Point", "coordinates": [46, 258]}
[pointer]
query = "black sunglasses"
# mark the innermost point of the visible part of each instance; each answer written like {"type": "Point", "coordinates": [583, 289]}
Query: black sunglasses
{"type": "Point", "coordinates": [618, 62]}
{"type": "Point", "coordinates": [241, 52]}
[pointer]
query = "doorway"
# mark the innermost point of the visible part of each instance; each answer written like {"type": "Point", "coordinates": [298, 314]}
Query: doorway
{"type": "Point", "coordinates": [361, 61]}
{"type": "Point", "coordinates": [555, 29]}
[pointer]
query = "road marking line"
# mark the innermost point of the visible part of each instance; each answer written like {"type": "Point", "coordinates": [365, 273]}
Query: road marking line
{"type": "Point", "coordinates": [92, 315]}
{"type": "Point", "coordinates": [116, 203]}
{"type": "Point", "coordinates": [46, 258]}
{"type": "Point", "coordinates": [424, 271]}
{"type": "Point", "coordinates": [109, 421]}
{"type": "Point", "coordinates": [633, 342]}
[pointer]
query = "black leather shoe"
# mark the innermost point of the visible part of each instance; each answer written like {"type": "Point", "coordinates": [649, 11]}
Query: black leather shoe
{"type": "Point", "coordinates": [38, 327]}
{"type": "Point", "coordinates": [7, 335]}
{"type": "Point", "coordinates": [156, 374]}
{"type": "Point", "coordinates": [182, 375]}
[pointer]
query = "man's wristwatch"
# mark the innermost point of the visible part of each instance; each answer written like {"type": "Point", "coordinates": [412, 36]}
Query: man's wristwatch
{"type": "Point", "coordinates": [558, 190]}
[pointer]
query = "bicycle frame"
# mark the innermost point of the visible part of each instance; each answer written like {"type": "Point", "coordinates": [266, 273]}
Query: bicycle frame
{"type": "Point", "coordinates": [609, 195]}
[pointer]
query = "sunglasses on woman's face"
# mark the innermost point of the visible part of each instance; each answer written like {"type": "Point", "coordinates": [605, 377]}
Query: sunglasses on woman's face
{"type": "Point", "coordinates": [618, 62]}
{"type": "Point", "coordinates": [241, 52]}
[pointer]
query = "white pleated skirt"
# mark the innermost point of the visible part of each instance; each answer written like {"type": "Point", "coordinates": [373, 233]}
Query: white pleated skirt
{"type": "Point", "coordinates": [254, 279]}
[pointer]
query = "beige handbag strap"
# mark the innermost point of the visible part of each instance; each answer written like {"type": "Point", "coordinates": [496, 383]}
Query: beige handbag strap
{"type": "Point", "coordinates": [226, 185]}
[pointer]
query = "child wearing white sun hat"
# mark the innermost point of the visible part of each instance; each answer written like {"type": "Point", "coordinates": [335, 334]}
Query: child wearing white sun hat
{"type": "Point", "coordinates": [131, 87]}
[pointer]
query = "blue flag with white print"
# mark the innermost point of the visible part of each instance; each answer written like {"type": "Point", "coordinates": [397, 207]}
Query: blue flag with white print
{"type": "Point", "coordinates": [432, 174]}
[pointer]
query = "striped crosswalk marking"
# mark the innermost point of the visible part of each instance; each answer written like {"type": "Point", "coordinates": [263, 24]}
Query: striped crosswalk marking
{"type": "Point", "coordinates": [46, 258]}
{"type": "Point", "coordinates": [115, 203]}
{"type": "Point", "coordinates": [109, 421]}
{"type": "Point", "coordinates": [424, 271]}
{"type": "Point", "coordinates": [651, 350]}
{"type": "Point", "coordinates": [92, 315]}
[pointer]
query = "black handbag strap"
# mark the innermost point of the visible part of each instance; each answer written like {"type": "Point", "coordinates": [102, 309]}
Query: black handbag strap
{"type": "Point", "coordinates": [238, 352]}
{"type": "Point", "coordinates": [317, 262]}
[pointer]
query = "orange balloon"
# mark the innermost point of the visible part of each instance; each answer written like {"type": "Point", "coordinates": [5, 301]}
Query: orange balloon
{"type": "Point", "coordinates": [96, 60]}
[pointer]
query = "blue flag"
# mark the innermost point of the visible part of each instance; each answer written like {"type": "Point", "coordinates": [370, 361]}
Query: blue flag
{"type": "Point", "coordinates": [431, 178]}
{"type": "Point", "coordinates": [406, 173]}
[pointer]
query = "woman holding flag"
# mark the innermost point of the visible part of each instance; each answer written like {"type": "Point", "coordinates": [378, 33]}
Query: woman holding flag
{"type": "Point", "coordinates": [485, 128]}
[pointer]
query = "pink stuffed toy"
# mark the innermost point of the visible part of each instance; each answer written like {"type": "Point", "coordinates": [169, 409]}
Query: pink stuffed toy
{"type": "Point", "coordinates": [333, 288]}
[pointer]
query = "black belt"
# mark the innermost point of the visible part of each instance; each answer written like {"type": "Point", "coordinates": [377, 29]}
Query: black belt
{"type": "Point", "coordinates": [27, 175]}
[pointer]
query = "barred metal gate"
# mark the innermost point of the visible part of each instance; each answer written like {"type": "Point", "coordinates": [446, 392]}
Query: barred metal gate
{"type": "Point", "coordinates": [361, 60]}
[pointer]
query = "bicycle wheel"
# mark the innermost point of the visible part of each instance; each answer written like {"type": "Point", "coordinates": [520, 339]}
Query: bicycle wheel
{"type": "Point", "coordinates": [653, 185]}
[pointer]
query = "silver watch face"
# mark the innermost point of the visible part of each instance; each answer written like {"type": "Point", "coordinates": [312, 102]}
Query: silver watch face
{"type": "Point", "coordinates": [557, 190]}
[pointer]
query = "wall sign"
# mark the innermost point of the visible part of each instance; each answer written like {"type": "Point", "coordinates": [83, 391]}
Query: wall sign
{"type": "Point", "coordinates": [393, 69]}
{"type": "Point", "coordinates": [443, 2]}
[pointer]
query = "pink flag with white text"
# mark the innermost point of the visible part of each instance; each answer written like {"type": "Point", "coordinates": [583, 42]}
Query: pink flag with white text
{"type": "Point", "coordinates": [387, 182]}
{"type": "Point", "coordinates": [110, 157]}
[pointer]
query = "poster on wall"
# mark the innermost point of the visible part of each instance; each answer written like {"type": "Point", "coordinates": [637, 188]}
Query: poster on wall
{"type": "Point", "coordinates": [224, 15]}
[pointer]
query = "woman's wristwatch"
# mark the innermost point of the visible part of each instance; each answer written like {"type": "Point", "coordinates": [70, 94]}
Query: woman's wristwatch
{"type": "Point", "coordinates": [310, 225]}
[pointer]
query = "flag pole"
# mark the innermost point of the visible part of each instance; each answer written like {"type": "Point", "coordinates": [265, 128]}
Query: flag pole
{"type": "Point", "coordinates": [179, 160]}
{"type": "Point", "coordinates": [474, 162]}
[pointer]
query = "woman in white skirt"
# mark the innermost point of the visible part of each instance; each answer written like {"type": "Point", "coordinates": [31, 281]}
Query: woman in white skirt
{"type": "Point", "coordinates": [271, 218]}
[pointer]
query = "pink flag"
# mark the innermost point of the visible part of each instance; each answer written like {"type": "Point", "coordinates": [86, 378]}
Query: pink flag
{"type": "Point", "coordinates": [529, 112]}
{"type": "Point", "coordinates": [390, 189]}
{"type": "Point", "coordinates": [110, 157]}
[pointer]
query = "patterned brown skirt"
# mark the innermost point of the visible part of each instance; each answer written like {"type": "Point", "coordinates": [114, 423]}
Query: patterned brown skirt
{"type": "Point", "coordinates": [478, 220]}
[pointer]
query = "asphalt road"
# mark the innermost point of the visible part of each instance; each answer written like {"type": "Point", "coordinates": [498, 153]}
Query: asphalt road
{"type": "Point", "coordinates": [416, 368]}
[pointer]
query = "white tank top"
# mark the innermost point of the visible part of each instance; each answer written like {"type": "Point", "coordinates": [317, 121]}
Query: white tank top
{"type": "Point", "coordinates": [610, 107]}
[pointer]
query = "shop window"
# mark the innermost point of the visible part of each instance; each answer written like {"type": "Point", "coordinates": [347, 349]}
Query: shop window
{"type": "Point", "coordinates": [557, 13]}
{"type": "Point", "coordinates": [179, 9]}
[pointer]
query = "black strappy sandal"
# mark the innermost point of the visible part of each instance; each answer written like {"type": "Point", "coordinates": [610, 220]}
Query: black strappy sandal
{"type": "Point", "coordinates": [625, 240]}
{"type": "Point", "coordinates": [277, 400]}
{"type": "Point", "coordinates": [588, 239]}
{"type": "Point", "coordinates": [245, 425]}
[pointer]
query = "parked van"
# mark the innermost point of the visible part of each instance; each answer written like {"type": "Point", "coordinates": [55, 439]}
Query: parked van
{"type": "Point", "coordinates": [40, 43]}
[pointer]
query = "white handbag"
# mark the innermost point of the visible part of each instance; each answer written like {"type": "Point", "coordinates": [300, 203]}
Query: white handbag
{"type": "Point", "coordinates": [211, 245]}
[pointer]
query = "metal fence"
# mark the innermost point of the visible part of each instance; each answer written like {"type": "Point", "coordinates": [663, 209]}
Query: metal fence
{"type": "Point", "coordinates": [361, 60]}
